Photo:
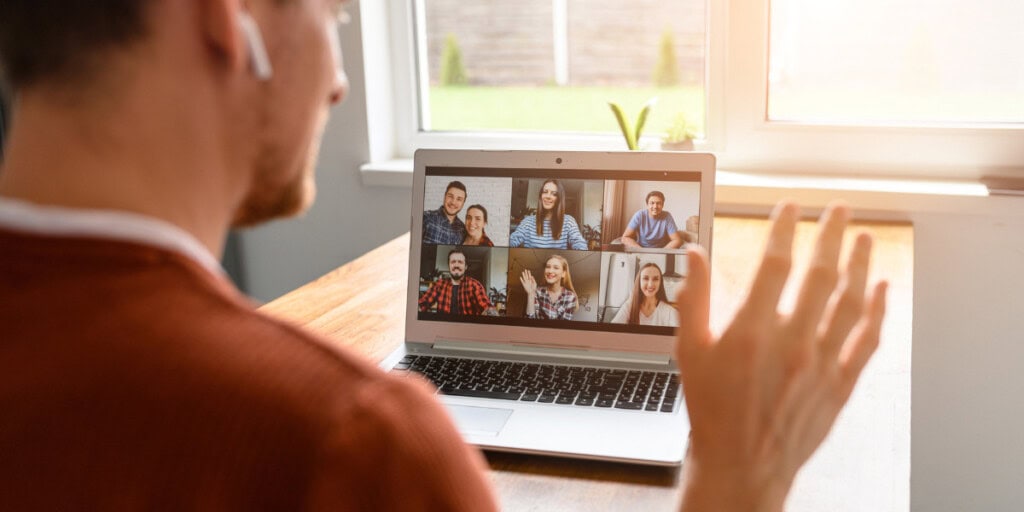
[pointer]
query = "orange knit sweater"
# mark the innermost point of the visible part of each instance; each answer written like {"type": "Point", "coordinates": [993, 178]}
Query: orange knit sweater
{"type": "Point", "coordinates": [130, 378]}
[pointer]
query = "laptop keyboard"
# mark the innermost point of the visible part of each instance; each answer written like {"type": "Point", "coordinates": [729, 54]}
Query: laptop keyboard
{"type": "Point", "coordinates": [547, 383]}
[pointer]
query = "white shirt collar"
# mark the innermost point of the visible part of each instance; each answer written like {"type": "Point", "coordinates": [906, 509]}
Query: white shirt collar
{"type": "Point", "coordinates": [18, 215]}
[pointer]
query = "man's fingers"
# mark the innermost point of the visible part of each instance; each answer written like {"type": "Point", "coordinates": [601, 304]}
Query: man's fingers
{"type": "Point", "coordinates": [693, 303]}
{"type": "Point", "coordinates": [864, 339]}
{"type": "Point", "coordinates": [850, 304]}
{"type": "Point", "coordinates": [763, 299]}
{"type": "Point", "coordinates": [822, 274]}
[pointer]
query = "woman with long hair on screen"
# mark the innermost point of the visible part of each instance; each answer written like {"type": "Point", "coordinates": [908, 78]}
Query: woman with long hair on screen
{"type": "Point", "coordinates": [550, 228]}
{"type": "Point", "coordinates": [556, 298]}
{"type": "Point", "coordinates": [648, 304]}
{"type": "Point", "coordinates": [476, 220]}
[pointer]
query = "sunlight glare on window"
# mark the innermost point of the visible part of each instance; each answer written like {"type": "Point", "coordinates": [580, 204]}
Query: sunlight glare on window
{"type": "Point", "coordinates": [897, 61]}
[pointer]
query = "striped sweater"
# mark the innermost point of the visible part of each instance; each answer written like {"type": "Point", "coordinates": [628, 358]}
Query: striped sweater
{"type": "Point", "coordinates": [526, 235]}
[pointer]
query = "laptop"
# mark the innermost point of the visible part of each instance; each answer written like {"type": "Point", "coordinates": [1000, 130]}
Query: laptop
{"type": "Point", "coordinates": [539, 296]}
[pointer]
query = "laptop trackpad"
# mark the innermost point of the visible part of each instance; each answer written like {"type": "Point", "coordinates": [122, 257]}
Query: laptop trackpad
{"type": "Point", "coordinates": [486, 421]}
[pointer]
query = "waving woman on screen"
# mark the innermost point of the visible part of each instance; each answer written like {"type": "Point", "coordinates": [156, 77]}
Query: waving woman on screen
{"type": "Point", "coordinates": [556, 298]}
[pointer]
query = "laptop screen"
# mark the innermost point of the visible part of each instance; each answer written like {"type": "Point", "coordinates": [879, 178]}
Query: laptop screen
{"type": "Point", "coordinates": [591, 250]}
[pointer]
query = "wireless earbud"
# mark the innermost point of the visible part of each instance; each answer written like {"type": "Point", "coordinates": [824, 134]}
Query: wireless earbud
{"type": "Point", "coordinates": [257, 50]}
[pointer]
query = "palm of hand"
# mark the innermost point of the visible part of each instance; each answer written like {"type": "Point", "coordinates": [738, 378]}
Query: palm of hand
{"type": "Point", "coordinates": [529, 283]}
{"type": "Point", "coordinates": [764, 395]}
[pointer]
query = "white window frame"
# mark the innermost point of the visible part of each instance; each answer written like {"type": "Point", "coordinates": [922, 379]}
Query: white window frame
{"type": "Point", "coordinates": [738, 130]}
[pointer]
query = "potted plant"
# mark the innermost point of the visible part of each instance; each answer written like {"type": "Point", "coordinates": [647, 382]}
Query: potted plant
{"type": "Point", "coordinates": [592, 235]}
{"type": "Point", "coordinates": [680, 135]}
{"type": "Point", "coordinates": [630, 132]}
{"type": "Point", "coordinates": [498, 298]}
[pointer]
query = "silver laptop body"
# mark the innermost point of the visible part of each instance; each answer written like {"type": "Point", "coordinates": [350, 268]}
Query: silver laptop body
{"type": "Point", "coordinates": [602, 194]}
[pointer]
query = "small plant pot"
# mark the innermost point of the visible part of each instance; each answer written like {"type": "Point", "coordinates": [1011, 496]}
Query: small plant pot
{"type": "Point", "coordinates": [685, 145]}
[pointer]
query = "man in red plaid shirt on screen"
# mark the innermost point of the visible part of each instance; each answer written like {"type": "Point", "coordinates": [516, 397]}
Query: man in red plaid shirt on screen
{"type": "Point", "coordinates": [459, 294]}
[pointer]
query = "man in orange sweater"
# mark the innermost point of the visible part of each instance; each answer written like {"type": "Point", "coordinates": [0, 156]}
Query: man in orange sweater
{"type": "Point", "coordinates": [134, 376]}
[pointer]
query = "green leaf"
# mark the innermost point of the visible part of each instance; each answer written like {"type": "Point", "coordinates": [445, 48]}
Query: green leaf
{"type": "Point", "coordinates": [627, 131]}
{"type": "Point", "coordinates": [642, 118]}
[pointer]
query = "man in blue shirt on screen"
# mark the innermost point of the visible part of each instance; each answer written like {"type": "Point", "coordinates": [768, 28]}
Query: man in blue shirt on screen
{"type": "Point", "coordinates": [653, 227]}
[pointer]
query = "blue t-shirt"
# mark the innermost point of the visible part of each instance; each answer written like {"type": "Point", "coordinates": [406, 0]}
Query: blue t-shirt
{"type": "Point", "coordinates": [653, 232]}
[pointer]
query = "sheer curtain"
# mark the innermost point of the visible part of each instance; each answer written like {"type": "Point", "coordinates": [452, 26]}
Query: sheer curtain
{"type": "Point", "coordinates": [611, 216]}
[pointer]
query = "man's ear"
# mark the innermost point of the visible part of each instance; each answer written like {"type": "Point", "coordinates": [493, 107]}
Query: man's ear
{"type": "Point", "coordinates": [223, 32]}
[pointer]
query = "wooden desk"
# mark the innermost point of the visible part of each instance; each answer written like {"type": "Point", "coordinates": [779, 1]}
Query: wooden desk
{"type": "Point", "coordinates": [863, 465]}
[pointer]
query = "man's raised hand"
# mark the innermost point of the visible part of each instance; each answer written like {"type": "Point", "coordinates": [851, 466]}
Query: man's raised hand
{"type": "Point", "coordinates": [763, 395]}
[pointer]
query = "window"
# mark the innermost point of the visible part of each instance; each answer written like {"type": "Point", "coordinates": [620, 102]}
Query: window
{"type": "Point", "coordinates": [896, 61]}
{"type": "Point", "coordinates": [899, 88]}
{"type": "Point", "coordinates": [553, 65]}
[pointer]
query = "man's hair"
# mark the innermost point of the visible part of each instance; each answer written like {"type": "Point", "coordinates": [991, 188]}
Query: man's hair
{"type": "Point", "coordinates": [456, 184]}
{"type": "Point", "coordinates": [656, 194]}
{"type": "Point", "coordinates": [481, 208]}
{"type": "Point", "coordinates": [45, 41]}
{"type": "Point", "coordinates": [456, 251]}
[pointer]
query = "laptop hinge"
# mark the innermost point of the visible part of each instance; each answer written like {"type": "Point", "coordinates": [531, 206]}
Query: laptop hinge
{"type": "Point", "coordinates": [532, 349]}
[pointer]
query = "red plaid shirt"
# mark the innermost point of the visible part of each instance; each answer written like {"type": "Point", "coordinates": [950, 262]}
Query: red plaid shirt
{"type": "Point", "coordinates": [472, 297]}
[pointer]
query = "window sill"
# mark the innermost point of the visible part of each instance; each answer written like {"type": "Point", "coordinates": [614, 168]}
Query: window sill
{"type": "Point", "coordinates": [741, 193]}
{"type": "Point", "coordinates": [389, 173]}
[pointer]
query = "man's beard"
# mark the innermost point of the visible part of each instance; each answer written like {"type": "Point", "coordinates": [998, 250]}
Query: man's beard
{"type": "Point", "coordinates": [267, 200]}
{"type": "Point", "coordinates": [458, 276]}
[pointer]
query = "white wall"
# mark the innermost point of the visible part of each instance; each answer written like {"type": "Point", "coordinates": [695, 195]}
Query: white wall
{"type": "Point", "coordinates": [499, 270]}
{"type": "Point", "coordinates": [967, 374]}
{"type": "Point", "coordinates": [593, 198]}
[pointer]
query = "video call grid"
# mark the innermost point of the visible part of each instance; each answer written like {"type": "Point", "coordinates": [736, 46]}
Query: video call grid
{"type": "Point", "coordinates": [438, 179]}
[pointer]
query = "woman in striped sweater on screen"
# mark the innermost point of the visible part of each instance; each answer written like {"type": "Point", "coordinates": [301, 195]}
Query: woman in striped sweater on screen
{"type": "Point", "coordinates": [554, 229]}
